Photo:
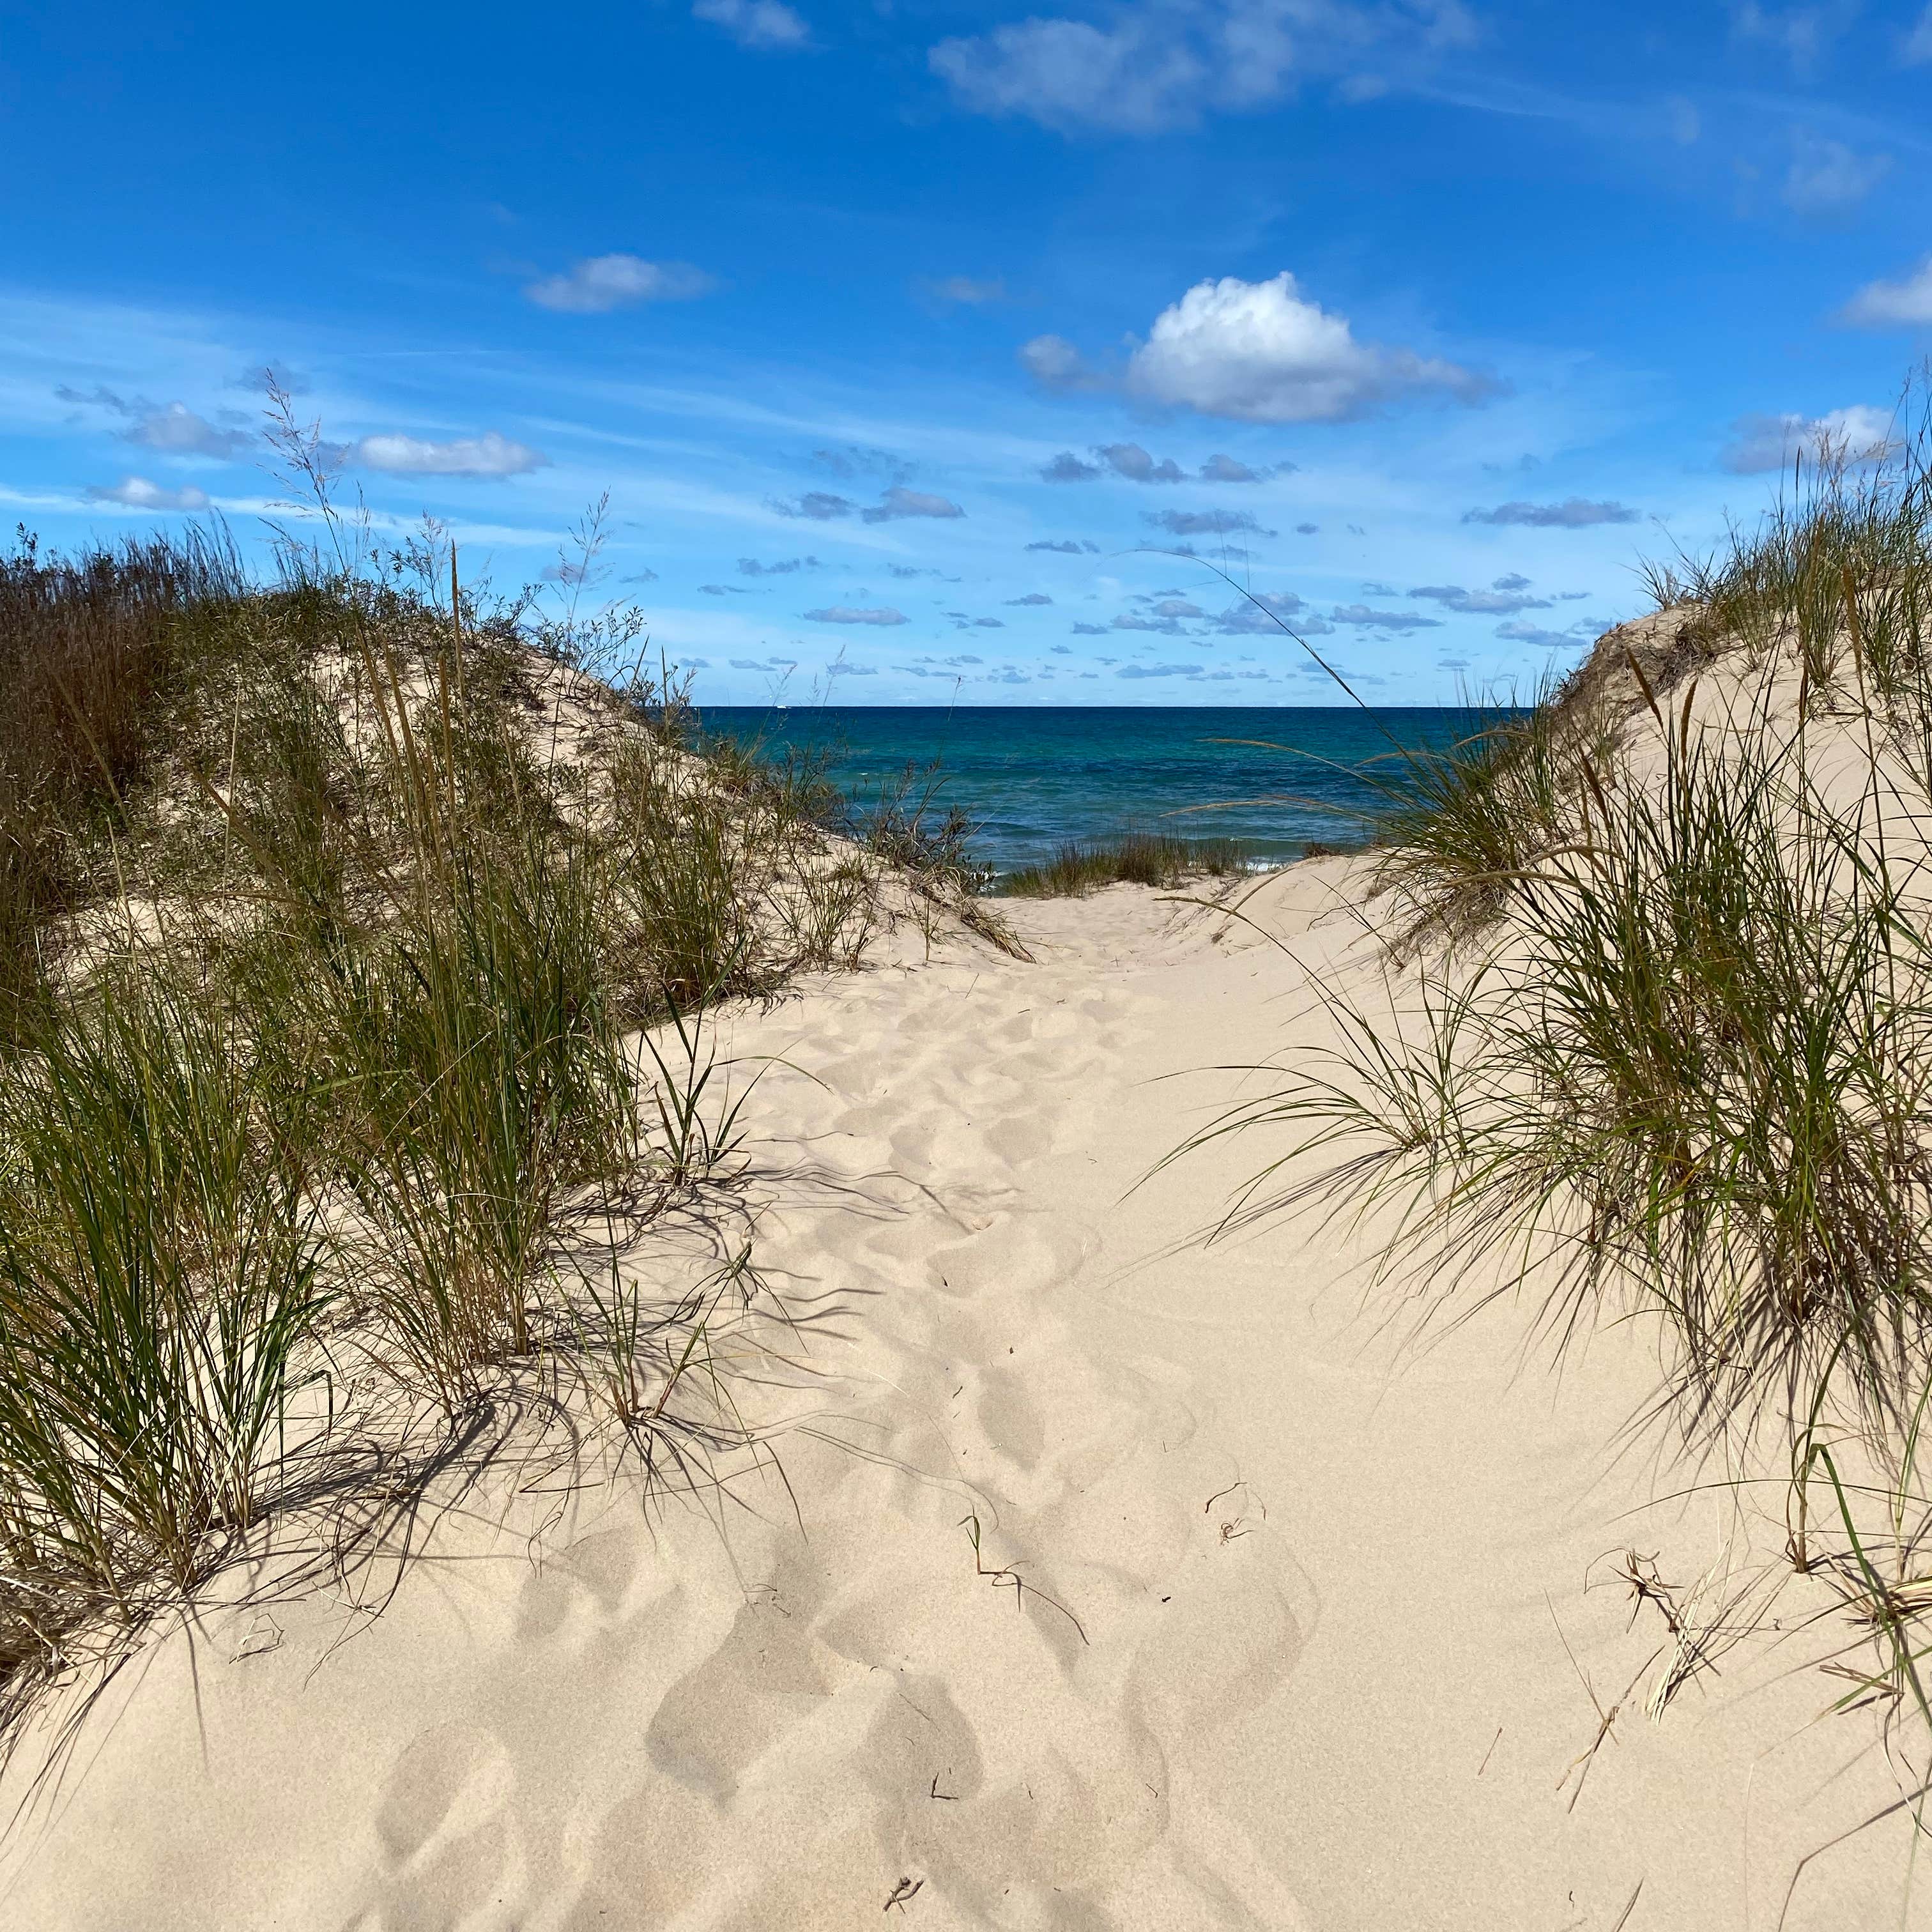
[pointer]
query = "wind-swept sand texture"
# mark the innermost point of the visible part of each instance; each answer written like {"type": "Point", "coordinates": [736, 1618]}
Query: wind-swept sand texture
{"type": "Point", "coordinates": [1312, 1625]}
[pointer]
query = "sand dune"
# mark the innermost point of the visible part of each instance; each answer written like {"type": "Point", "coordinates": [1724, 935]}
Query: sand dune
{"type": "Point", "coordinates": [1277, 1619]}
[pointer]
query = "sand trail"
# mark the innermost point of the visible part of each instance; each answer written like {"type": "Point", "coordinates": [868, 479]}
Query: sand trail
{"type": "Point", "coordinates": [1272, 1622]}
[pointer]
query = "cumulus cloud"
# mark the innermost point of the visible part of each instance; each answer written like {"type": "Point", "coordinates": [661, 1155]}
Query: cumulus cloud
{"type": "Point", "coordinates": [1362, 617]}
{"type": "Point", "coordinates": [1497, 603]}
{"type": "Point", "coordinates": [1089, 630]}
{"type": "Point", "coordinates": [1159, 670]}
{"type": "Point", "coordinates": [1260, 351]}
{"type": "Point", "coordinates": [847, 614]}
{"type": "Point", "coordinates": [767, 25]}
{"type": "Point", "coordinates": [1130, 461]}
{"type": "Point", "coordinates": [1068, 468]}
{"type": "Point", "coordinates": [750, 566]}
{"type": "Point", "coordinates": [1066, 547]}
{"type": "Point", "coordinates": [1306, 529]}
{"type": "Point", "coordinates": [819, 505]}
{"type": "Point", "coordinates": [1031, 597]}
{"type": "Point", "coordinates": [1203, 523]}
{"type": "Point", "coordinates": [600, 282]}
{"type": "Point", "coordinates": [1860, 433]}
{"type": "Point", "coordinates": [900, 502]}
{"type": "Point", "coordinates": [137, 492]}
{"type": "Point", "coordinates": [1904, 304]}
{"type": "Point", "coordinates": [1155, 65]}
{"type": "Point", "coordinates": [171, 429]}
{"type": "Point", "coordinates": [1122, 459]}
{"type": "Point", "coordinates": [1827, 178]}
{"type": "Point", "coordinates": [1574, 513]}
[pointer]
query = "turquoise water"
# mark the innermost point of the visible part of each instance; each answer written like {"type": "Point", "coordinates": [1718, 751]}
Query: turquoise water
{"type": "Point", "coordinates": [1031, 778]}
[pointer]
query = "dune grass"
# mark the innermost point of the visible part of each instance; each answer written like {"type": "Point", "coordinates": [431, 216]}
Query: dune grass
{"type": "Point", "coordinates": [1680, 1062]}
{"type": "Point", "coordinates": [335, 900]}
{"type": "Point", "coordinates": [1139, 858]}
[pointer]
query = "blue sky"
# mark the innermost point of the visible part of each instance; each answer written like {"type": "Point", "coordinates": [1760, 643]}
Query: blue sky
{"type": "Point", "coordinates": [904, 336]}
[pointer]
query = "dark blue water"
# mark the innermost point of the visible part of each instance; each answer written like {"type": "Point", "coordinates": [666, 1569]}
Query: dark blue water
{"type": "Point", "coordinates": [1031, 778]}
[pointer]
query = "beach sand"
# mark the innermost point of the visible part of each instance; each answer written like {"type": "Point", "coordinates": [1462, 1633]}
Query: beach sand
{"type": "Point", "coordinates": [1316, 1625]}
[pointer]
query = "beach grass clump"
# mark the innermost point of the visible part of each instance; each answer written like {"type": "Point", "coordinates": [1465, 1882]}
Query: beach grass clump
{"type": "Point", "coordinates": [161, 1274]}
{"type": "Point", "coordinates": [90, 647]}
{"type": "Point", "coordinates": [1462, 826]}
{"type": "Point", "coordinates": [335, 898]}
{"type": "Point", "coordinates": [1140, 858]}
{"type": "Point", "coordinates": [1693, 1071]}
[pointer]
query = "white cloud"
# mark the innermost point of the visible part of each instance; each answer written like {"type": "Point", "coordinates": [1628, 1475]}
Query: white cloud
{"type": "Point", "coordinates": [489, 454]}
{"type": "Point", "coordinates": [845, 613]}
{"type": "Point", "coordinates": [173, 429]}
{"type": "Point", "coordinates": [1258, 352]}
{"type": "Point", "coordinates": [137, 492]}
{"type": "Point", "coordinates": [769, 25]}
{"type": "Point", "coordinates": [600, 282]}
{"type": "Point", "coordinates": [1161, 63]}
{"type": "Point", "coordinates": [1917, 46]}
{"type": "Point", "coordinates": [1860, 433]}
{"type": "Point", "coordinates": [1826, 178]}
{"type": "Point", "coordinates": [1907, 303]}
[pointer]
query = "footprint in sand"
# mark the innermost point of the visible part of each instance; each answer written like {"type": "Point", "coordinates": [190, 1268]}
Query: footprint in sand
{"type": "Point", "coordinates": [719, 1717]}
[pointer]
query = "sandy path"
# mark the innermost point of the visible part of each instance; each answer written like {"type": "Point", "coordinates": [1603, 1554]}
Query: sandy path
{"type": "Point", "coordinates": [1291, 1648]}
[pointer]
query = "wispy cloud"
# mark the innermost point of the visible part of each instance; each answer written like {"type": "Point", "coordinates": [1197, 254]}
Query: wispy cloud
{"type": "Point", "coordinates": [1827, 179]}
{"type": "Point", "coordinates": [769, 26]}
{"type": "Point", "coordinates": [1801, 33]}
{"type": "Point", "coordinates": [818, 506]}
{"type": "Point", "coordinates": [1501, 602]}
{"type": "Point", "coordinates": [1574, 513]}
{"type": "Point", "coordinates": [1364, 618]}
{"type": "Point", "coordinates": [967, 290]}
{"type": "Point", "coordinates": [750, 566]}
{"type": "Point", "coordinates": [848, 613]}
{"type": "Point", "coordinates": [900, 502]}
{"type": "Point", "coordinates": [1203, 523]}
{"type": "Point", "coordinates": [171, 429]}
{"type": "Point", "coordinates": [1158, 63]}
{"type": "Point", "coordinates": [598, 283]}
{"type": "Point", "coordinates": [1065, 546]}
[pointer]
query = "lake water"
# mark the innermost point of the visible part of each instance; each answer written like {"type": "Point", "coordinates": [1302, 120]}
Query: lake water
{"type": "Point", "coordinates": [1032, 778]}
